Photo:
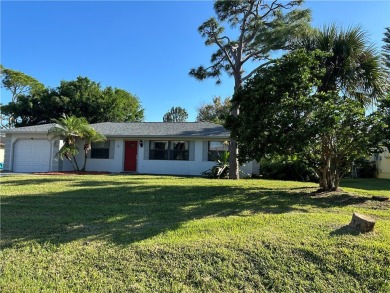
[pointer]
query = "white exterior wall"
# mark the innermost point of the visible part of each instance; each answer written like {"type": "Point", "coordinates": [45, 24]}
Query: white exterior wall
{"type": "Point", "coordinates": [250, 168]}
{"type": "Point", "coordinates": [1, 155]}
{"type": "Point", "coordinates": [145, 166]}
{"type": "Point", "coordinates": [113, 165]}
{"type": "Point", "coordinates": [383, 164]}
{"type": "Point", "coordinates": [170, 167]}
{"type": "Point", "coordinates": [116, 162]}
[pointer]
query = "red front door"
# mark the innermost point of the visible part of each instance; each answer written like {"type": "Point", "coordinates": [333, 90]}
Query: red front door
{"type": "Point", "coordinates": [131, 156]}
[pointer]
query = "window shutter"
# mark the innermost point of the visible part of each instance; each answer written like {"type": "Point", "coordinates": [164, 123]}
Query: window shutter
{"type": "Point", "coordinates": [191, 151]}
{"type": "Point", "coordinates": [112, 149]}
{"type": "Point", "coordinates": [146, 149]}
{"type": "Point", "coordinates": [205, 153]}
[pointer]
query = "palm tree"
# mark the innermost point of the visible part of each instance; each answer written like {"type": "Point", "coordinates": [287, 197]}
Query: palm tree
{"type": "Point", "coordinates": [353, 68]}
{"type": "Point", "coordinates": [90, 135]}
{"type": "Point", "coordinates": [353, 71]}
{"type": "Point", "coordinates": [70, 129]}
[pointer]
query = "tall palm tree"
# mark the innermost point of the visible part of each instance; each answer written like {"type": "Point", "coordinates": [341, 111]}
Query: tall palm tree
{"type": "Point", "coordinates": [353, 67]}
{"type": "Point", "coordinates": [353, 71]}
{"type": "Point", "coordinates": [70, 129]}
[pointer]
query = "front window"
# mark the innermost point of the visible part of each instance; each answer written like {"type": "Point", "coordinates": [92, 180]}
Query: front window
{"type": "Point", "coordinates": [168, 150]}
{"type": "Point", "coordinates": [100, 150]}
{"type": "Point", "coordinates": [179, 150]}
{"type": "Point", "coordinates": [216, 148]}
{"type": "Point", "coordinates": [158, 150]}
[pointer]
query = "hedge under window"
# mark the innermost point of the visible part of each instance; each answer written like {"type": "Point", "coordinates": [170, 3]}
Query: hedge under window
{"type": "Point", "coordinates": [100, 150]}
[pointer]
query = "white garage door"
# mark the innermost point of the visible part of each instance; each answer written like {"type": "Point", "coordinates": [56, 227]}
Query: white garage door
{"type": "Point", "coordinates": [32, 156]}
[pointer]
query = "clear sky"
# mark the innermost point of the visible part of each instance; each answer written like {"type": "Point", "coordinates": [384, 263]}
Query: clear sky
{"type": "Point", "coordinates": [144, 47]}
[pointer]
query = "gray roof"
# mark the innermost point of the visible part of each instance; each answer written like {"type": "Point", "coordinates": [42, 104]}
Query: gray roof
{"type": "Point", "coordinates": [43, 128]}
{"type": "Point", "coordinates": [145, 129]}
{"type": "Point", "coordinates": [162, 129]}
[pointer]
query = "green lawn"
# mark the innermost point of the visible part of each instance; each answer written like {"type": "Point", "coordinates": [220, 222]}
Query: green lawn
{"type": "Point", "coordinates": [121, 233]}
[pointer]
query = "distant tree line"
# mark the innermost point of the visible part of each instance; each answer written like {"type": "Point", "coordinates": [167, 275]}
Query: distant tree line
{"type": "Point", "coordinates": [32, 103]}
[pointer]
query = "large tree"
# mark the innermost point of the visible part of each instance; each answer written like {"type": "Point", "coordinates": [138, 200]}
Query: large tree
{"type": "Point", "coordinates": [258, 28]}
{"type": "Point", "coordinates": [311, 103]}
{"type": "Point", "coordinates": [276, 106]}
{"type": "Point", "coordinates": [71, 130]}
{"type": "Point", "coordinates": [215, 112]}
{"type": "Point", "coordinates": [18, 84]}
{"type": "Point", "coordinates": [82, 98]}
{"type": "Point", "coordinates": [176, 114]}
{"type": "Point", "coordinates": [353, 71]}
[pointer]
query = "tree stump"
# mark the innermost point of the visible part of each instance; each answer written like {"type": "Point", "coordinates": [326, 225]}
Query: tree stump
{"type": "Point", "coordinates": [362, 223]}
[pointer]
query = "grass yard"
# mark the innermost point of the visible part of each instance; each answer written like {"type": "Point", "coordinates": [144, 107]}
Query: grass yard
{"type": "Point", "coordinates": [121, 233]}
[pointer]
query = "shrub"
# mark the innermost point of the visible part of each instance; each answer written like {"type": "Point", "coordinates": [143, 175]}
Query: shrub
{"type": "Point", "coordinates": [365, 168]}
{"type": "Point", "coordinates": [293, 169]}
{"type": "Point", "coordinates": [221, 169]}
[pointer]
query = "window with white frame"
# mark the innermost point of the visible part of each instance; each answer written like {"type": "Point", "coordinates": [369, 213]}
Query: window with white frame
{"type": "Point", "coordinates": [158, 150]}
{"type": "Point", "coordinates": [216, 148]}
{"type": "Point", "coordinates": [169, 150]}
{"type": "Point", "coordinates": [179, 150]}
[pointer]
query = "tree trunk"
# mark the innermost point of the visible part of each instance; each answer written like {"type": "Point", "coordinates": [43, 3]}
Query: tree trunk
{"type": "Point", "coordinates": [326, 171]}
{"type": "Point", "coordinates": [85, 160]}
{"type": "Point", "coordinates": [234, 167]}
{"type": "Point", "coordinates": [75, 162]}
{"type": "Point", "coordinates": [87, 147]}
{"type": "Point", "coordinates": [73, 165]}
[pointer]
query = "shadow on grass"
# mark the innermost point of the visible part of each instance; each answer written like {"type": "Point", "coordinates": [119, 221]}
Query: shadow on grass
{"type": "Point", "coordinates": [38, 181]}
{"type": "Point", "coordinates": [133, 210]}
{"type": "Point", "coordinates": [344, 230]}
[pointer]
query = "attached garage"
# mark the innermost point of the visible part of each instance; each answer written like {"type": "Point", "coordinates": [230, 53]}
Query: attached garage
{"type": "Point", "coordinates": [32, 155]}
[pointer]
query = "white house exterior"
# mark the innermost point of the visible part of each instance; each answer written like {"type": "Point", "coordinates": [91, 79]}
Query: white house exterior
{"type": "Point", "coordinates": [383, 164]}
{"type": "Point", "coordinates": [144, 148]}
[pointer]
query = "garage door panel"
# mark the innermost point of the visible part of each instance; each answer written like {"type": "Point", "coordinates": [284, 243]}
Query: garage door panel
{"type": "Point", "coordinates": [32, 156]}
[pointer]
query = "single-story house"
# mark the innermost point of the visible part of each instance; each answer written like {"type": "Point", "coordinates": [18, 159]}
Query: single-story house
{"type": "Point", "coordinates": [186, 148]}
{"type": "Point", "coordinates": [382, 161]}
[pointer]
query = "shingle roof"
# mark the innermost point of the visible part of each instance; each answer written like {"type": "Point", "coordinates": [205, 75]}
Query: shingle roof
{"type": "Point", "coordinates": [43, 128]}
{"type": "Point", "coordinates": [162, 129]}
{"type": "Point", "coordinates": [145, 129]}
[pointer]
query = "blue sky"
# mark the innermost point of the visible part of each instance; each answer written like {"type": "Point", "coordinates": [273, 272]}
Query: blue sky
{"type": "Point", "coordinates": [144, 47]}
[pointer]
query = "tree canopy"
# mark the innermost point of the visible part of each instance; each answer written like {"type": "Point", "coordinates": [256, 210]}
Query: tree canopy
{"type": "Point", "coordinates": [176, 114]}
{"type": "Point", "coordinates": [289, 108]}
{"type": "Point", "coordinates": [81, 98]}
{"type": "Point", "coordinates": [17, 84]}
{"type": "Point", "coordinates": [215, 112]}
{"type": "Point", "coordinates": [258, 29]}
